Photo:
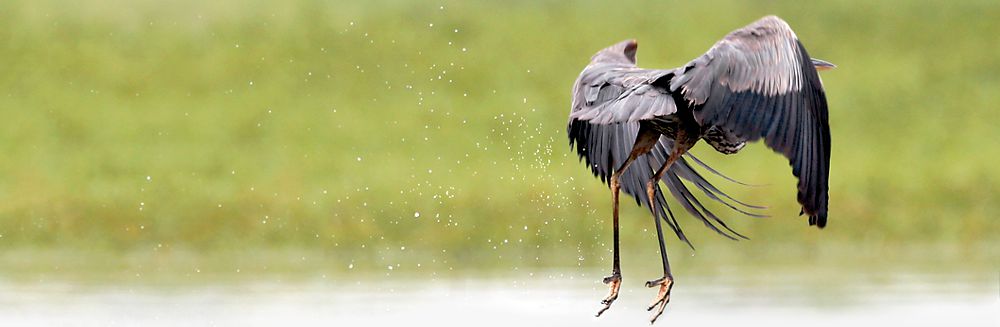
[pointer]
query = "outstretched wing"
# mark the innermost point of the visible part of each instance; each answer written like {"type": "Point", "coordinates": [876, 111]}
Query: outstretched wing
{"type": "Point", "coordinates": [759, 81]}
{"type": "Point", "coordinates": [608, 102]}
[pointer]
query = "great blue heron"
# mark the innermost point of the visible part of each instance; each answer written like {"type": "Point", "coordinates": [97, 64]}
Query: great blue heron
{"type": "Point", "coordinates": [757, 82]}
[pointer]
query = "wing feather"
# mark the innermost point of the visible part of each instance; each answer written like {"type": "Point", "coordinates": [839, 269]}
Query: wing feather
{"type": "Point", "coordinates": [759, 82]}
{"type": "Point", "coordinates": [609, 99]}
{"type": "Point", "coordinates": [610, 93]}
{"type": "Point", "coordinates": [605, 147]}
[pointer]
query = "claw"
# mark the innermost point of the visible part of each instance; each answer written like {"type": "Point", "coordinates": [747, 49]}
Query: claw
{"type": "Point", "coordinates": [614, 282]}
{"type": "Point", "coordinates": [662, 297]}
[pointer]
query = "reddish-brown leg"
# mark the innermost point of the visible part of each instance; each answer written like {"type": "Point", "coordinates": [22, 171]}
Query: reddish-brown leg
{"type": "Point", "coordinates": [666, 282]}
{"type": "Point", "coordinates": [643, 143]}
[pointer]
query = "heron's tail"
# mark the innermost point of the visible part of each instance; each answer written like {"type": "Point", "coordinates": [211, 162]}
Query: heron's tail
{"type": "Point", "coordinates": [605, 147]}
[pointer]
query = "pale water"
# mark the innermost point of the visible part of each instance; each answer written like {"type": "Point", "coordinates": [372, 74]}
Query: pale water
{"type": "Point", "coordinates": [536, 301]}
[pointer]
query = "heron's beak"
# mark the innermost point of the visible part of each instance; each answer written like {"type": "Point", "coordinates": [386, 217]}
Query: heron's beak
{"type": "Point", "coordinates": [822, 65]}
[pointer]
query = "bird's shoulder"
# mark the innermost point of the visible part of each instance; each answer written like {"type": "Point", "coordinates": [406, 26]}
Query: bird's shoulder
{"type": "Point", "coordinates": [624, 75]}
{"type": "Point", "coordinates": [615, 93]}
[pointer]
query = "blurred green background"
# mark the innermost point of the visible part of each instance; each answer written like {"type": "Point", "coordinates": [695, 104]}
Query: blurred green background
{"type": "Point", "coordinates": [155, 141]}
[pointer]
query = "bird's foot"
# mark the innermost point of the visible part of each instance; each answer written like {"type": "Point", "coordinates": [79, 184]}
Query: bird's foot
{"type": "Point", "coordinates": [662, 298]}
{"type": "Point", "coordinates": [614, 282]}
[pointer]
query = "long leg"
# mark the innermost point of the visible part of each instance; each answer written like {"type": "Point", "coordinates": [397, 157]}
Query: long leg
{"type": "Point", "coordinates": [667, 281]}
{"type": "Point", "coordinates": [615, 280]}
{"type": "Point", "coordinates": [644, 141]}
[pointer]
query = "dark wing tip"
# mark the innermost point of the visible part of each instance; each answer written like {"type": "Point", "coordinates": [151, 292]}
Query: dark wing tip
{"type": "Point", "coordinates": [819, 220]}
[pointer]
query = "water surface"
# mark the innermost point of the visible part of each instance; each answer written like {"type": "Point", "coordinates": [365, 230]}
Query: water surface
{"type": "Point", "coordinates": [548, 300]}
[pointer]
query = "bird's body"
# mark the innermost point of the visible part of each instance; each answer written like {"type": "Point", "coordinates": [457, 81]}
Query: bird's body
{"type": "Point", "coordinates": [634, 126]}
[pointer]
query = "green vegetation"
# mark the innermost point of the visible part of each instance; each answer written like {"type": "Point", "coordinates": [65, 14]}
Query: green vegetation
{"type": "Point", "coordinates": [144, 138]}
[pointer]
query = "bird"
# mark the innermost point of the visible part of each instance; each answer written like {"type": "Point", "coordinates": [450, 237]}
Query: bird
{"type": "Point", "coordinates": [633, 128]}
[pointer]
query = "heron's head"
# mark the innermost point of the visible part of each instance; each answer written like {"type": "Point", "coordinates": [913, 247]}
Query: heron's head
{"type": "Point", "coordinates": [822, 65]}
{"type": "Point", "coordinates": [621, 52]}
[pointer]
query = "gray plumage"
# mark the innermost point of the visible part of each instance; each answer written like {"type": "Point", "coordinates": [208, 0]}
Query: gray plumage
{"type": "Point", "coordinates": [756, 82]}
{"type": "Point", "coordinates": [759, 81]}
